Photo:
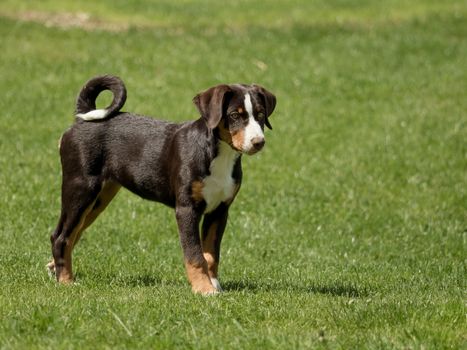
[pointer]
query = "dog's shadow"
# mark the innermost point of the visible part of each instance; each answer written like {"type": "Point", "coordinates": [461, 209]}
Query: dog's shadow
{"type": "Point", "coordinates": [145, 280]}
{"type": "Point", "coordinates": [153, 280]}
{"type": "Point", "coordinates": [336, 289]}
{"type": "Point", "coordinates": [126, 280]}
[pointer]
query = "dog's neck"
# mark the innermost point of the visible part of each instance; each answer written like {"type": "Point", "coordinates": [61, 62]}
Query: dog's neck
{"type": "Point", "coordinates": [221, 166]}
{"type": "Point", "coordinates": [219, 185]}
{"type": "Point", "coordinates": [224, 150]}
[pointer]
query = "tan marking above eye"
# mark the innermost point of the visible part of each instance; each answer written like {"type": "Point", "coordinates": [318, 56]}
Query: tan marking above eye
{"type": "Point", "coordinates": [240, 110]}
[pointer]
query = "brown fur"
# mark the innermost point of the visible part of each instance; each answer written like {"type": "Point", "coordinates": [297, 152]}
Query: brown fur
{"type": "Point", "coordinates": [197, 190]}
{"type": "Point", "coordinates": [198, 277]}
{"type": "Point", "coordinates": [209, 250]}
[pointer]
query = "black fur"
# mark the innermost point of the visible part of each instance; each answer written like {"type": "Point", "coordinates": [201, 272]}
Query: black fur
{"type": "Point", "coordinates": [86, 100]}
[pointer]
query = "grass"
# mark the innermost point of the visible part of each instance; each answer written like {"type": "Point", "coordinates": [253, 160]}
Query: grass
{"type": "Point", "coordinates": [350, 229]}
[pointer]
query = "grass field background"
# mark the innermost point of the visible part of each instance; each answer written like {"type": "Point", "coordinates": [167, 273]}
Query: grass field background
{"type": "Point", "coordinates": [350, 228]}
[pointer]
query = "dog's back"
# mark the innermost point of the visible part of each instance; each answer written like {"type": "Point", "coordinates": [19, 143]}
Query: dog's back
{"type": "Point", "coordinates": [134, 151]}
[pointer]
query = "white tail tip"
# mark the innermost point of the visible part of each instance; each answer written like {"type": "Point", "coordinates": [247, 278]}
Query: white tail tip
{"type": "Point", "coordinates": [93, 115]}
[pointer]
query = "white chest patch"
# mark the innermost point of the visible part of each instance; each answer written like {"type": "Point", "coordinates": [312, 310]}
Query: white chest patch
{"type": "Point", "coordinates": [219, 186]}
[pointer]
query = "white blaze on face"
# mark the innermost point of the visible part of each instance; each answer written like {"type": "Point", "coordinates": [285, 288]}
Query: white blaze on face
{"type": "Point", "coordinates": [253, 129]}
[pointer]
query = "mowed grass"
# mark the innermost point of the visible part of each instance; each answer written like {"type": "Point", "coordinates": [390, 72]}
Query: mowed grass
{"type": "Point", "coordinates": [350, 228]}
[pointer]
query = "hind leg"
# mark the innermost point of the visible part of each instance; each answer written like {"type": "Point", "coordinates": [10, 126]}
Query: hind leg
{"type": "Point", "coordinates": [53, 237]}
{"type": "Point", "coordinates": [106, 194]}
{"type": "Point", "coordinates": [78, 198]}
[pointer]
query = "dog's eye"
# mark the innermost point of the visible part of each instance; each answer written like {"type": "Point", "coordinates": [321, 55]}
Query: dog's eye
{"type": "Point", "coordinates": [234, 115]}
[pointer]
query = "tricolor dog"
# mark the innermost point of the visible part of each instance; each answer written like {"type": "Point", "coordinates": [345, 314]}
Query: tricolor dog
{"type": "Point", "coordinates": [193, 167]}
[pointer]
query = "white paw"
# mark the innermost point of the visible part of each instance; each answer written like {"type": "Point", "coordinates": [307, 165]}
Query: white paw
{"type": "Point", "coordinates": [50, 269]}
{"type": "Point", "coordinates": [209, 294]}
{"type": "Point", "coordinates": [216, 284]}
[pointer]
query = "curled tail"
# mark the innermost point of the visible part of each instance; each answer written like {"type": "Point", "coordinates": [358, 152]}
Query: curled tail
{"type": "Point", "coordinates": [86, 101]}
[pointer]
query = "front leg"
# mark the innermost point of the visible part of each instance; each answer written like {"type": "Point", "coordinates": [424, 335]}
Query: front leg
{"type": "Point", "coordinates": [196, 266]}
{"type": "Point", "coordinates": [212, 231]}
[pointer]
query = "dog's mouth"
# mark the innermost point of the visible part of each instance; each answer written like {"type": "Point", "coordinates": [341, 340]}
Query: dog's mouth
{"type": "Point", "coordinates": [251, 151]}
{"type": "Point", "coordinates": [256, 145]}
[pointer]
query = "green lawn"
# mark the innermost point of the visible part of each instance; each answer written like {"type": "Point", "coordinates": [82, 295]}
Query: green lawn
{"type": "Point", "coordinates": [350, 230]}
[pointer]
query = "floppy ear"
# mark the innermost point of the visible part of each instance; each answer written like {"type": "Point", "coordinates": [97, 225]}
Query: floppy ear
{"type": "Point", "coordinates": [210, 104]}
{"type": "Point", "coordinates": [269, 101]}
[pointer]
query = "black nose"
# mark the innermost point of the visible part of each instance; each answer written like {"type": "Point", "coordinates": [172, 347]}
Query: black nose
{"type": "Point", "coordinates": [258, 142]}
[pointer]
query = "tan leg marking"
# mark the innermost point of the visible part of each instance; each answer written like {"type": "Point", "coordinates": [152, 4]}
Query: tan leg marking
{"type": "Point", "coordinates": [107, 193]}
{"type": "Point", "coordinates": [197, 191]}
{"type": "Point", "coordinates": [66, 274]}
{"type": "Point", "coordinates": [198, 277]}
{"type": "Point", "coordinates": [208, 251]}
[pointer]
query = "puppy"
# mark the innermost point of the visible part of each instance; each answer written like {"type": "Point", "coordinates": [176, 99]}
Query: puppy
{"type": "Point", "coordinates": [193, 167]}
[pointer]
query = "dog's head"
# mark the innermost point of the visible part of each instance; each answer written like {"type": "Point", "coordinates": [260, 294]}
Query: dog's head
{"type": "Point", "coordinates": [238, 113]}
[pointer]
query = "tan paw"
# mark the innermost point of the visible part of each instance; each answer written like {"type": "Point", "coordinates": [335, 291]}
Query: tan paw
{"type": "Point", "coordinates": [207, 291]}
